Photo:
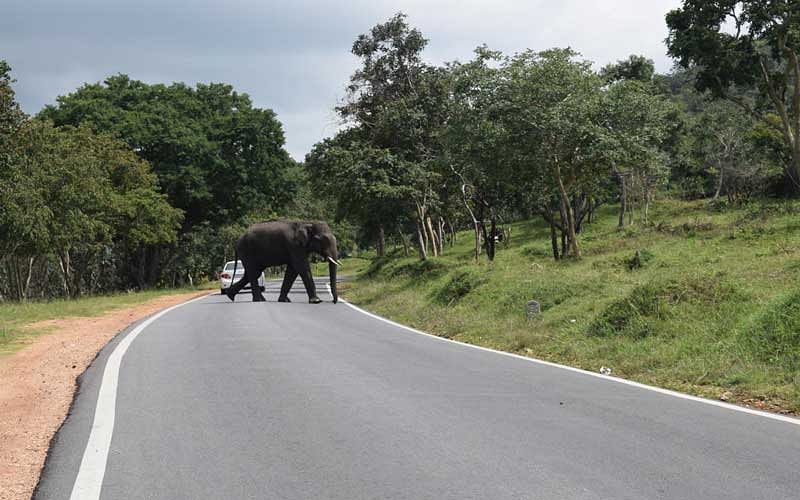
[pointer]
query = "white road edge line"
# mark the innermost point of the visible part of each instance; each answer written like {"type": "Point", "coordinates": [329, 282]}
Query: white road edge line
{"type": "Point", "coordinates": [93, 465]}
{"type": "Point", "coordinates": [742, 409]}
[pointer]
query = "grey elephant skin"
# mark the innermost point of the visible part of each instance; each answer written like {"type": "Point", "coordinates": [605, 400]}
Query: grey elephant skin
{"type": "Point", "coordinates": [289, 243]}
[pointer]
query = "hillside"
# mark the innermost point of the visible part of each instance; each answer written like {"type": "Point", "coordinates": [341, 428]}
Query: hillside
{"type": "Point", "coordinates": [711, 306]}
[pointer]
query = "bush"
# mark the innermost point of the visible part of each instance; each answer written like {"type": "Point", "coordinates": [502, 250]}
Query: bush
{"type": "Point", "coordinates": [459, 285]}
{"type": "Point", "coordinates": [636, 314]}
{"type": "Point", "coordinates": [633, 315]}
{"type": "Point", "coordinates": [639, 260]}
{"type": "Point", "coordinates": [775, 333]}
{"type": "Point", "coordinates": [425, 269]}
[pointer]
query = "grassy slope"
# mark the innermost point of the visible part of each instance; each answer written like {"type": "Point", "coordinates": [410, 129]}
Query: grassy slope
{"type": "Point", "coordinates": [714, 310]}
{"type": "Point", "coordinates": [14, 316]}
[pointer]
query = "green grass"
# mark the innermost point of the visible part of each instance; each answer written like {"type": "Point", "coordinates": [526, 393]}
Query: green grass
{"type": "Point", "coordinates": [710, 306]}
{"type": "Point", "coordinates": [14, 316]}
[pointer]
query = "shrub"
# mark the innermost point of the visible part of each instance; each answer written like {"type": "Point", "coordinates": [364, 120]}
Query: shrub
{"type": "Point", "coordinates": [640, 259]}
{"type": "Point", "coordinates": [636, 314]}
{"type": "Point", "coordinates": [459, 285]}
{"type": "Point", "coordinates": [775, 333]}
{"type": "Point", "coordinates": [427, 269]}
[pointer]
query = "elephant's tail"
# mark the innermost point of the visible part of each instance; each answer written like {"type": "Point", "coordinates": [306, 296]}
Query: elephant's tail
{"type": "Point", "coordinates": [230, 295]}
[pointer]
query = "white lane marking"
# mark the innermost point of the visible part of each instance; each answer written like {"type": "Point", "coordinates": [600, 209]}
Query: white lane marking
{"type": "Point", "coordinates": [773, 416]}
{"type": "Point", "coordinates": [93, 465]}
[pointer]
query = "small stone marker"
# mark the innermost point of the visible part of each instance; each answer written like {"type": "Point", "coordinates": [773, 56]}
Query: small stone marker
{"type": "Point", "coordinates": [532, 309]}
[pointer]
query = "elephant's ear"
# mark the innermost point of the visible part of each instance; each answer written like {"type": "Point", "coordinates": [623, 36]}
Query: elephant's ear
{"type": "Point", "coordinates": [302, 235]}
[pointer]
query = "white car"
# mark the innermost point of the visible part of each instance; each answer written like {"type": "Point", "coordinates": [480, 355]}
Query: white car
{"type": "Point", "coordinates": [227, 277]}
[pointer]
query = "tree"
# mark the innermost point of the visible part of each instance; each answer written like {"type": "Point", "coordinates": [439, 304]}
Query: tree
{"type": "Point", "coordinates": [395, 108]}
{"type": "Point", "coordinates": [217, 157]}
{"type": "Point", "coordinates": [368, 184]}
{"type": "Point", "coordinates": [638, 124]}
{"type": "Point", "coordinates": [744, 44]}
{"type": "Point", "coordinates": [553, 112]}
{"type": "Point", "coordinates": [477, 144]}
{"type": "Point", "coordinates": [85, 199]}
{"type": "Point", "coordinates": [728, 144]}
{"type": "Point", "coordinates": [11, 116]}
{"type": "Point", "coordinates": [635, 67]}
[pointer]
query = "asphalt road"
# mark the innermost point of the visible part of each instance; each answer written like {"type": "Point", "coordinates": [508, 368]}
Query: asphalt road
{"type": "Point", "coordinates": [295, 401]}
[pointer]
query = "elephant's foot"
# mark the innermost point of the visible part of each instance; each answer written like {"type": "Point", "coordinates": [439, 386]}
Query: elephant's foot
{"type": "Point", "coordinates": [314, 300]}
{"type": "Point", "coordinates": [283, 298]}
{"type": "Point", "coordinates": [259, 298]}
{"type": "Point", "coordinates": [230, 295]}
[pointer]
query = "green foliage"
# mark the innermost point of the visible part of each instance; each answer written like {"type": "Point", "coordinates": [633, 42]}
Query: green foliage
{"type": "Point", "coordinates": [77, 196]}
{"type": "Point", "coordinates": [216, 156]}
{"type": "Point", "coordinates": [775, 332]}
{"type": "Point", "coordinates": [218, 159]}
{"type": "Point", "coordinates": [633, 315]}
{"type": "Point", "coordinates": [422, 270]}
{"type": "Point", "coordinates": [745, 46]}
{"type": "Point", "coordinates": [459, 285]}
{"type": "Point", "coordinates": [11, 115]}
{"type": "Point", "coordinates": [635, 67]}
{"type": "Point", "coordinates": [381, 171]}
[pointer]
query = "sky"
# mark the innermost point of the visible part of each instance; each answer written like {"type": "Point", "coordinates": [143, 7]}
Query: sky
{"type": "Point", "coordinates": [294, 57]}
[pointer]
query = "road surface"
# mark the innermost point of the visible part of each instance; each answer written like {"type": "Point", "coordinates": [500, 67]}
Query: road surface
{"type": "Point", "coordinates": [220, 400]}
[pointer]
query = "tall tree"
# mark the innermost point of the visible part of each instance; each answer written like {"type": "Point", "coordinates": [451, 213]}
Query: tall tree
{"type": "Point", "coordinates": [638, 123]}
{"type": "Point", "coordinates": [395, 108]}
{"type": "Point", "coordinates": [11, 116]}
{"type": "Point", "coordinates": [477, 144]}
{"type": "Point", "coordinates": [216, 156]}
{"type": "Point", "coordinates": [745, 44]}
{"type": "Point", "coordinates": [553, 110]}
{"type": "Point", "coordinates": [80, 197]}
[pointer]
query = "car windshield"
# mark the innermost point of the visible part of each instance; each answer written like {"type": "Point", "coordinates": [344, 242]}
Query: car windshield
{"type": "Point", "coordinates": [229, 266]}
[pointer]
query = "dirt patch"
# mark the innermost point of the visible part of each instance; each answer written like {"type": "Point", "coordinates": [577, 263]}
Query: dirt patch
{"type": "Point", "coordinates": [37, 385]}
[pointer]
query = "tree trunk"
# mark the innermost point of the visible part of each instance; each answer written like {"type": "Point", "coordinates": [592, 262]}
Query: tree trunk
{"type": "Point", "coordinates": [434, 246]}
{"type": "Point", "coordinates": [63, 261]}
{"type": "Point", "coordinates": [423, 254]}
{"type": "Point", "coordinates": [13, 277]}
{"type": "Point", "coordinates": [490, 238]}
{"type": "Point", "coordinates": [452, 232]}
{"type": "Point", "coordinates": [440, 227]}
{"type": "Point", "coordinates": [790, 125]}
{"type": "Point", "coordinates": [141, 281]}
{"type": "Point", "coordinates": [404, 239]}
{"type": "Point", "coordinates": [623, 200]}
{"type": "Point", "coordinates": [381, 246]}
{"type": "Point", "coordinates": [719, 183]}
{"type": "Point", "coordinates": [153, 266]}
{"type": "Point", "coordinates": [554, 241]}
{"type": "Point", "coordinates": [28, 279]}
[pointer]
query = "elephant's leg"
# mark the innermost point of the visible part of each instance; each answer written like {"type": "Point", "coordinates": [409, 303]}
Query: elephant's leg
{"type": "Point", "coordinates": [236, 287]}
{"type": "Point", "coordinates": [288, 281]}
{"type": "Point", "coordinates": [254, 286]}
{"type": "Point", "coordinates": [311, 288]}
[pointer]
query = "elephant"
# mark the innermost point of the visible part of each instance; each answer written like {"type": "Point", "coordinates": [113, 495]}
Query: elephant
{"type": "Point", "coordinates": [285, 242]}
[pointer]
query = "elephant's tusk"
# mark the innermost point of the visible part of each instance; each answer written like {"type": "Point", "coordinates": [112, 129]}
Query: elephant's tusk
{"type": "Point", "coordinates": [336, 262]}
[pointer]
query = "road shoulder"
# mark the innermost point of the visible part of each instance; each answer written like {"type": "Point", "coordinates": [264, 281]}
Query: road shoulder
{"type": "Point", "coordinates": [38, 383]}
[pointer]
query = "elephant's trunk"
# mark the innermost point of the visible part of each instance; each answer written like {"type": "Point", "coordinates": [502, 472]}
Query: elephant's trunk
{"type": "Point", "coordinates": [332, 267]}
